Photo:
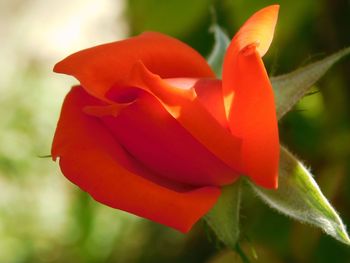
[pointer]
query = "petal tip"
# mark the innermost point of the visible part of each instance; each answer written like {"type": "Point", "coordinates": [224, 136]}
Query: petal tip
{"type": "Point", "coordinates": [270, 184]}
{"type": "Point", "coordinates": [59, 67]}
{"type": "Point", "coordinates": [259, 28]}
{"type": "Point", "coordinates": [271, 10]}
{"type": "Point", "coordinates": [274, 7]}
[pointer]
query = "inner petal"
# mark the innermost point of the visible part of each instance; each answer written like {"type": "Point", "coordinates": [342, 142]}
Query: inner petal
{"type": "Point", "coordinates": [150, 134]}
{"type": "Point", "coordinates": [208, 92]}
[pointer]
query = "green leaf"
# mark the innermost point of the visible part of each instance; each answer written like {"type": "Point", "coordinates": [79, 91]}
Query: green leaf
{"type": "Point", "coordinates": [290, 88]}
{"type": "Point", "coordinates": [299, 197]}
{"type": "Point", "coordinates": [223, 218]}
{"type": "Point", "coordinates": [216, 57]}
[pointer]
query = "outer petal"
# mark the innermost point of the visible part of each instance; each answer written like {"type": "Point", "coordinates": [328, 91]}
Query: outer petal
{"type": "Point", "coordinates": [249, 98]}
{"type": "Point", "coordinates": [91, 158]}
{"type": "Point", "coordinates": [101, 67]}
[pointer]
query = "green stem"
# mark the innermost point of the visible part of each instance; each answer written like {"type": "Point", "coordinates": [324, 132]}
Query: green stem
{"type": "Point", "coordinates": [241, 253]}
{"type": "Point", "coordinates": [45, 156]}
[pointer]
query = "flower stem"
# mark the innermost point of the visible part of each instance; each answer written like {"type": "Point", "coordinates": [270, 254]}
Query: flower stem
{"type": "Point", "coordinates": [241, 253]}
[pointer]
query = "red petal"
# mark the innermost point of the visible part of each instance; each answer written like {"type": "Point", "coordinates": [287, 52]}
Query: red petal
{"type": "Point", "coordinates": [253, 118]}
{"type": "Point", "coordinates": [91, 158]}
{"type": "Point", "coordinates": [249, 99]}
{"type": "Point", "coordinates": [186, 108]}
{"type": "Point", "coordinates": [150, 134]}
{"type": "Point", "coordinates": [209, 93]}
{"type": "Point", "coordinates": [257, 30]}
{"type": "Point", "coordinates": [101, 67]}
{"type": "Point", "coordinates": [255, 34]}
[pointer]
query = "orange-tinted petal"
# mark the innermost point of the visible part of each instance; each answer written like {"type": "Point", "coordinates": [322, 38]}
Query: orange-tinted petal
{"type": "Point", "coordinates": [209, 93]}
{"type": "Point", "coordinates": [184, 106]}
{"type": "Point", "coordinates": [257, 30]}
{"type": "Point", "coordinates": [249, 98]}
{"type": "Point", "coordinates": [101, 67]}
{"type": "Point", "coordinates": [255, 34]}
{"type": "Point", "coordinates": [92, 159]}
{"type": "Point", "coordinates": [253, 118]}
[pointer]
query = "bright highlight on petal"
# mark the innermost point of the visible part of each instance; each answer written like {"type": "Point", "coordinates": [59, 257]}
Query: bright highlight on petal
{"type": "Point", "coordinates": [258, 30]}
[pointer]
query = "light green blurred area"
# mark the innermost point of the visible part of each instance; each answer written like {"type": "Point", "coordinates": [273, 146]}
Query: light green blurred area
{"type": "Point", "coordinates": [45, 218]}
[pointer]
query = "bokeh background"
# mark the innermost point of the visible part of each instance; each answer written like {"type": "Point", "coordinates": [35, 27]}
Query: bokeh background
{"type": "Point", "coordinates": [44, 218]}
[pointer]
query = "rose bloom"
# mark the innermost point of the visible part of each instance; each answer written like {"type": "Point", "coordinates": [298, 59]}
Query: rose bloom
{"type": "Point", "coordinates": [150, 130]}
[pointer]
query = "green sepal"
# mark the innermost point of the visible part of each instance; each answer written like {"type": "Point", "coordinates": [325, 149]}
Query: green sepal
{"type": "Point", "coordinates": [223, 218]}
{"type": "Point", "coordinates": [216, 57]}
{"type": "Point", "coordinates": [299, 197]}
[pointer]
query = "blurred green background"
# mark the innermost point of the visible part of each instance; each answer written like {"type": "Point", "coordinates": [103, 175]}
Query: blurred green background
{"type": "Point", "coordinates": [43, 218]}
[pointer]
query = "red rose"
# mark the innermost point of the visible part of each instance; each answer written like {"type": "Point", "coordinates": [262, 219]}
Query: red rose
{"type": "Point", "coordinates": [152, 132]}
